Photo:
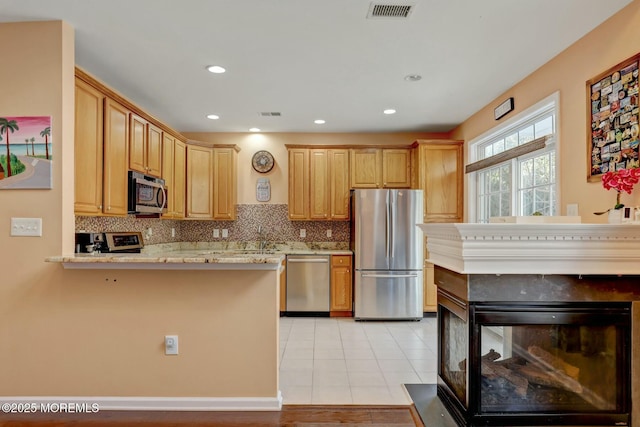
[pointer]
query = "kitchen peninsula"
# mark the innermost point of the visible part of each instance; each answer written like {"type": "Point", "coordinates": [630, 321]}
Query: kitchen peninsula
{"type": "Point", "coordinates": [222, 306]}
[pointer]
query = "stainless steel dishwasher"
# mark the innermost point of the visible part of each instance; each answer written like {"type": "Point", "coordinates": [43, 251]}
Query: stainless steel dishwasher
{"type": "Point", "coordinates": [308, 284]}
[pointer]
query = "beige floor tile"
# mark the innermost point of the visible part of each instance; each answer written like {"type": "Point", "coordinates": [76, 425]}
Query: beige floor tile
{"type": "Point", "coordinates": [364, 379]}
{"type": "Point", "coordinates": [295, 395]}
{"type": "Point", "coordinates": [331, 395]}
{"type": "Point", "coordinates": [371, 395]}
{"type": "Point", "coordinates": [330, 379]}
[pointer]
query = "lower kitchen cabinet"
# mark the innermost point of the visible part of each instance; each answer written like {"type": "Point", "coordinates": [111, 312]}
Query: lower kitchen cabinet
{"type": "Point", "coordinates": [430, 304]}
{"type": "Point", "coordinates": [341, 286]}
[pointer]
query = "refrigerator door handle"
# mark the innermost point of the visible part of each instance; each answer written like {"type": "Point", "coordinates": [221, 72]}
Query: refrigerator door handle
{"type": "Point", "coordinates": [388, 226]}
{"type": "Point", "coordinates": [389, 276]}
{"type": "Point", "coordinates": [392, 220]}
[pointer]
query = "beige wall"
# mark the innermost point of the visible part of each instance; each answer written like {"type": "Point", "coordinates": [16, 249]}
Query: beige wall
{"type": "Point", "coordinates": [275, 144]}
{"type": "Point", "coordinates": [607, 45]}
{"type": "Point", "coordinates": [101, 333]}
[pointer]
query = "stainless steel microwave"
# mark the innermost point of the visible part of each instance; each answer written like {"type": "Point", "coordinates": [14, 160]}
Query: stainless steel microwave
{"type": "Point", "coordinates": [147, 194]}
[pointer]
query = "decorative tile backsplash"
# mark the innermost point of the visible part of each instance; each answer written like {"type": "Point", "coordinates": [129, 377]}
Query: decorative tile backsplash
{"type": "Point", "coordinates": [273, 220]}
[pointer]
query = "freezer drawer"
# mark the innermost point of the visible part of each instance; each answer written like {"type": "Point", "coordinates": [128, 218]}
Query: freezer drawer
{"type": "Point", "coordinates": [308, 283]}
{"type": "Point", "coordinates": [388, 295]}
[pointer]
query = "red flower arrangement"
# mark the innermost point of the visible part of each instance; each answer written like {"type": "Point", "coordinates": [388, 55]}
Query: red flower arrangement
{"type": "Point", "coordinates": [622, 180]}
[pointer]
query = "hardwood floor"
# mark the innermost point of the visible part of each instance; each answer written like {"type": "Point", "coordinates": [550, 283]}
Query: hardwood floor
{"type": "Point", "coordinates": [290, 416]}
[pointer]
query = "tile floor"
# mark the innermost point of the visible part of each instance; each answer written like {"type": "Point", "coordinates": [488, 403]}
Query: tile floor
{"type": "Point", "coordinates": [341, 361]}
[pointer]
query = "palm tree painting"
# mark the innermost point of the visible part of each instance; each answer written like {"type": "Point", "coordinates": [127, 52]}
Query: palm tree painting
{"type": "Point", "coordinates": [23, 168]}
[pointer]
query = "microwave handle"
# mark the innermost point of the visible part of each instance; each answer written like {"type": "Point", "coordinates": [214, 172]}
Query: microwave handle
{"type": "Point", "coordinates": [164, 197]}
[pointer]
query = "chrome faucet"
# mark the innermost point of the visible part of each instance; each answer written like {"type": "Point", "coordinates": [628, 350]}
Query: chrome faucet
{"type": "Point", "coordinates": [262, 241]}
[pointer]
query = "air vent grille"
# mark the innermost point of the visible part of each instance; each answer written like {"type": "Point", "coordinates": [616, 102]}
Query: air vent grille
{"type": "Point", "coordinates": [270, 114]}
{"type": "Point", "coordinates": [378, 10]}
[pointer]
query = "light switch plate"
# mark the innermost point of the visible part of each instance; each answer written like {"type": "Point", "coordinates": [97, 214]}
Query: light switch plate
{"type": "Point", "coordinates": [26, 227]}
{"type": "Point", "coordinates": [170, 344]}
{"type": "Point", "coordinates": [303, 232]}
{"type": "Point", "coordinates": [216, 233]}
{"type": "Point", "coordinates": [225, 233]}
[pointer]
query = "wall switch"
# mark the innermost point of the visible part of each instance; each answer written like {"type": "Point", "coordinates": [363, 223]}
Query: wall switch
{"type": "Point", "coordinates": [173, 232]}
{"type": "Point", "coordinates": [572, 209]}
{"type": "Point", "coordinates": [26, 227]}
{"type": "Point", "coordinates": [216, 233]}
{"type": "Point", "coordinates": [303, 232]}
{"type": "Point", "coordinates": [329, 233]}
{"type": "Point", "coordinates": [170, 344]}
{"type": "Point", "coordinates": [225, 233]}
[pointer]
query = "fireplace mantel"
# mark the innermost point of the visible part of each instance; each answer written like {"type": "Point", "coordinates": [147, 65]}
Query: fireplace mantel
{"type": "Point", "coordinates": [534, 248]}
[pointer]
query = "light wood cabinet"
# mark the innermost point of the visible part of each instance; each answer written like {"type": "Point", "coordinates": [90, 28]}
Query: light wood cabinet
{"type": "Point", "coordinates": [438, 172]}
{"type": "Point", "coordinates": [89, 110]}
{"type": "Point", "coordinates": [145, 147]}
{"type": "Point", "coordinates": [366, 168]}
{"type": "Point", "coordinates": [116, 150]}
{"type": "Point", "coordinates": [224, 183]}
{"type": "Point", "coordinates": [381, 168]}
{"type": "Point", "coordinates": [298, 183]}
{"type": "Point", "coordinates": [173, 173]}
{"type": "Point", "coordinates": [341, 284]}
{"type": "Point", "coordinates": [318, 184]}
{"type": "Point", "coordinates": [199, 182]}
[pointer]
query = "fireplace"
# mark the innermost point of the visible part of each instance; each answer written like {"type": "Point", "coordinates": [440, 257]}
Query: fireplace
{"type": "Point", "coordinates": [522, 349]}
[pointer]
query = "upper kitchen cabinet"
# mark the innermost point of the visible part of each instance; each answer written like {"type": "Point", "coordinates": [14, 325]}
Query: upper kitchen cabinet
{"type": "Point", "coordinates": [318, 184]}
{"type": "Point", "coordinates": [381, 168]}
{"type": "Point", "coordinates": [211, 181]}
{"type": "Point", "coordinates": [174, 174]}
{"type": "Point", "coordinates": [116, 150]}
{"type": "Point", "coordinates": [145, 147]}
{"type": "Point", "coordinates": [225, 182]}
{"type": "Point", "coordinates": [88, 149]}
{"type": "Point", "coordinates": [199, 182]}
{"type": "Point", "coordinates": [298, 183]}
{"type": "Point", "coordinates": [438, 167]}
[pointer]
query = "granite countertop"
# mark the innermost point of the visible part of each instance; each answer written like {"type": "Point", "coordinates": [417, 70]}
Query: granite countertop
{"type": "Point", "coordinates": [199, 255]}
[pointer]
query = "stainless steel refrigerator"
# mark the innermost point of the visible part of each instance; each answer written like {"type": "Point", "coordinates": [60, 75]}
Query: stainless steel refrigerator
{"type": "Point", "coordinates": [388, 252]}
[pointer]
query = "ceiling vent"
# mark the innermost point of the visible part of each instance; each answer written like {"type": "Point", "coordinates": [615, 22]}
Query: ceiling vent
{"type": "Point", "coordinates": [270, 114]}
{"type": "Point", "coordinates": [380, 10]}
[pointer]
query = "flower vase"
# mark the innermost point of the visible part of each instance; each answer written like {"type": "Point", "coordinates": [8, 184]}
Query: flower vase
{"type": "Point", "coordinates": [615, 216]}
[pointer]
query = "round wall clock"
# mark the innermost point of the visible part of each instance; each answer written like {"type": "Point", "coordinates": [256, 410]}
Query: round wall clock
{"type": "Point", "coordinates": [262, 161]}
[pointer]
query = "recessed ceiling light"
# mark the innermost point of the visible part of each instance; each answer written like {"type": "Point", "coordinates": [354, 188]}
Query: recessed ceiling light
{"type": "Point", "coordinates": [213, 117]}
{"type": "Point", "coordinates": [254, 130]}
{"type": "Point", "coordinates": [413, 77]}
{"type": "Point", "coordinates": [389, 111]}
{"type": "Point", "coordinates": [319, 122]}
{"type": "Point", "coordinates": [216, 69]}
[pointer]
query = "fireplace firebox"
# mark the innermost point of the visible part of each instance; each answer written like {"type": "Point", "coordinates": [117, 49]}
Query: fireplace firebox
{"type": "Point", "coordinates": [524, 350]}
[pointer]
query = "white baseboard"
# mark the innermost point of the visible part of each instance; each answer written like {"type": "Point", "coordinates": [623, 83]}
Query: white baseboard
{"type": "Point", "coordinates": [88, 404]}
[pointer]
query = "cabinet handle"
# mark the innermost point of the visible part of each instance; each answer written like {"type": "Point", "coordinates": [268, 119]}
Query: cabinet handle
{"type": "Point", "coordinates": [100, 207]}
{"type": "Point", "coordinates": [108, 208]}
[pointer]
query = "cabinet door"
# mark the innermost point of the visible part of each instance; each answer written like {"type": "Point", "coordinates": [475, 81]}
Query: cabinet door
{"type": "Point", "coordinates": [283, 287]}
{"type": "Point", "coordinates": [341, 284]}
{"type": "Point", "coordinates": [339, 183]}
{"type": "Point", "coordinates": [224, 183]}
{"type": "Point", "coordinates": [318, 184]}
{"type": "Point", "coordinates": [168, 147]}
{"type": "Point", "coordinates": [138, 144]}
{"type": "Point", "coordinates": [88, 149]}
{"type": "Point", "coordinates": [199, 182]}
{"type": "Point", "coordinates": [366, 168]}
{"type": "Point", "coordinates": [153, 160]}
{"type": "Point", "coordinates": [116, 144]}
{"type": "Point", "coordinates": [179, 178]}
{"type": "Point", "coordinates": [299, 183]}
{"type": "Point", "coordinates": [396, 168]}
{"type": "Point", "coordinates": [442, 182]}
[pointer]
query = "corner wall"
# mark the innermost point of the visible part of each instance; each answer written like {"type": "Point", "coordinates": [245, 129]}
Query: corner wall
{"type": "Point", "coordinates": [607, 45]}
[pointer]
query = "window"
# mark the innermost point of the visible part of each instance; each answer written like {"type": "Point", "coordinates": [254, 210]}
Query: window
{"type": "Point", "coordinates": [522, 184]}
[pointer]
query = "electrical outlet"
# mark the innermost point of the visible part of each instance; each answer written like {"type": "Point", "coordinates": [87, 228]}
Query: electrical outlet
{"type": "Point", "coordinates": [170, 344]}
{"type": "Point", "coordinates": [329, 233]}
{"type": "Point", "coordinates": [303, 232]}
{"type": "Point", "coordinates": [216, 233]}
{"type": "Point", "coordinates": [572, 209]}
{"type": "Point", "coordinates": [173, 232]}
{"type": "Point", "coordinates": [225, 233]}
{"type": "Point", "coordinates": [26, 227]}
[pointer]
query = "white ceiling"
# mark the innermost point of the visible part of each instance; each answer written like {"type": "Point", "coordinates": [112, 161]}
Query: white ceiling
{"type": "Point", "coordinates": [314, 59]}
